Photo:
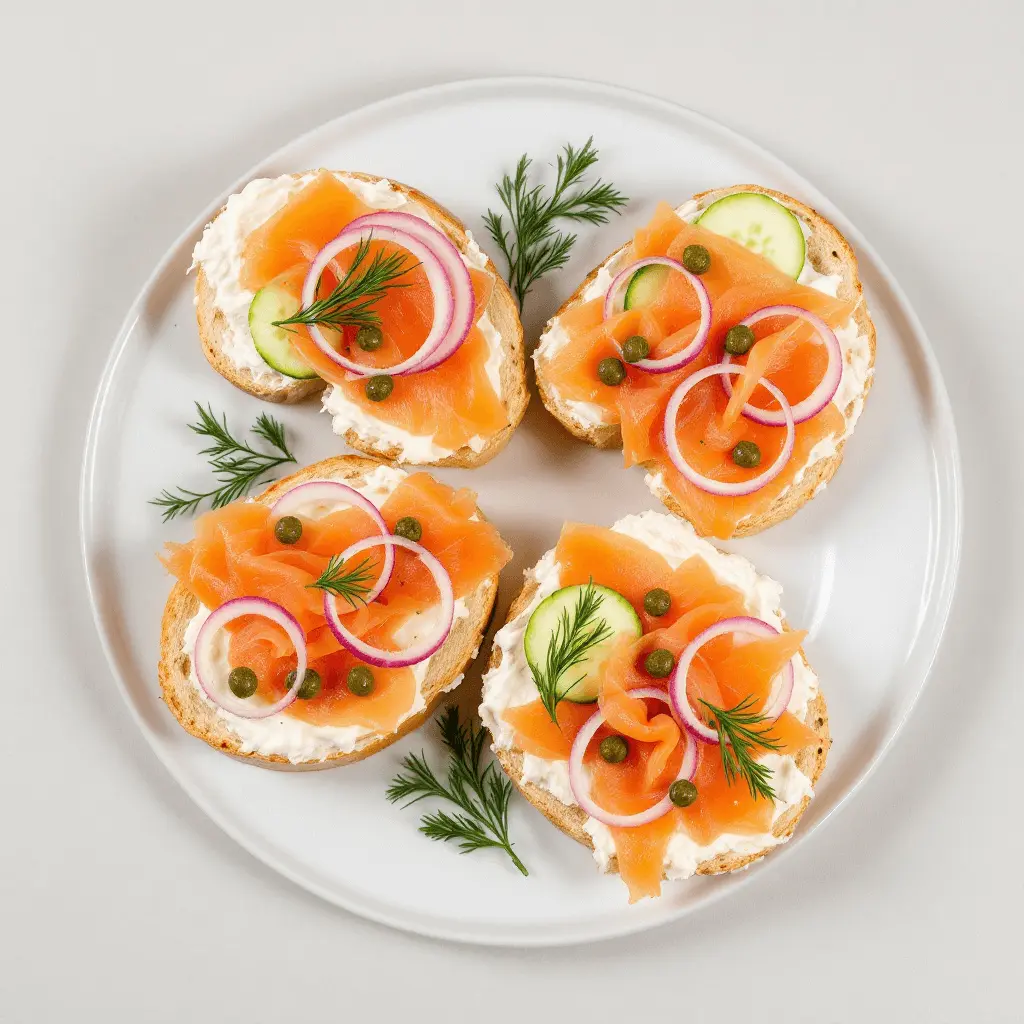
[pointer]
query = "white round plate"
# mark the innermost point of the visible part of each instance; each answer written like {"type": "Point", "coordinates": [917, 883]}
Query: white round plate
{"type": "Point", "coordinates": [868, 566]}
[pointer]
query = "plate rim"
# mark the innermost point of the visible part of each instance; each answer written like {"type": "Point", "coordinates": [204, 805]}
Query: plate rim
{"type": "Point", "coordinates": [947, 475]}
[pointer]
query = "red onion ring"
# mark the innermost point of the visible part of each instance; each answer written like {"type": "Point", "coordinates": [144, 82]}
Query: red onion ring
{"type": "Point", "coordinates": [217, 620]}
{"type": "Point", "coordinates": [411, 655]}
{"type": "Point", "coordinates": [705, 483]}
{"type": "Point", "coordinates": [580, 784]}
{"type": "Point", "coordinates": [686, 355]}
{"type": "Point", "coordinates": [330, 492]}
{"type": "Point", "coordinates": [464, 309]}
{"type": "Point", "coordinates": [440, 288]}
{"type": "Point", "coordinates": [827, 387]}
{"type": "Point", "coordinates": [778, 698]}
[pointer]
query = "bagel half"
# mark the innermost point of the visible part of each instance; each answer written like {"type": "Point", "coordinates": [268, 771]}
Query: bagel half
{"type": "Point", "coordinates": [828, 253]}
{"type": "Point", "coordinates": [200, 718]}
{"type": "Point", "coordinates": [271, 386]}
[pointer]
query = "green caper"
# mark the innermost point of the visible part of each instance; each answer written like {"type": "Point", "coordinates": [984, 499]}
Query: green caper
{"type": "Point", "coordinates": [746, 454]}
{"type": "Point", "coordinates": [614, 749]}
{"type": "Point", "coordinates": [636, 348]}
{"type": "Point", "coordinates": [696, 259]}
{"type": "Point", "coordinates": [739, 340]}
{"type": "Point", "coordinates": [369, 338]}
{"type": "Point", "coordinates": [359, 681]}
{"type": "Point", "coordinates": [409, 527]}
{"type": "Point", "coordinates": [657, 601]}
{"type": "Point", "coordinates": [288, 529]}
{"type": "Point", "coordinates": [379, 387]}
{"type": "Point", "coordinates": [659, 663]}
{"type": "Point", "coordinates": [682, 792]}
{"type": "Point", "coordinates": [243, 682]}
{"type": "Point", "coordinates": [611, 371]}
{"type": "Point", "coordinates": [311, 683]}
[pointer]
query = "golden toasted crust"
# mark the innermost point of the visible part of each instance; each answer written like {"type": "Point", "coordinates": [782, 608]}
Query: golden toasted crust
{"type": "Point", "coordinates": [829, 253]}
{"type": "Point", "coordinates": [571, 819]}
{"type": "Point", "coordinates": [200, 719]}
{"type": "Point", "coordinates": [501, 309]}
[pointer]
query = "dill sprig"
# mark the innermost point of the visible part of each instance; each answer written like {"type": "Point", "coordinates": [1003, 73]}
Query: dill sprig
{"type": "Point", "coordinates": [352, 584]}
{"type": "Point", "coordinates": [738, 742]}
{"type": "Point", "coordinates": [534, 246]}
{"type": "Point", "coordinates": [236, 465]}
{"type": "Point", "coordinates": [571, 642]}
{"type": "Point", "coordinates": [352, 301]}
{"type": "Point", "coordinates": [481, 795]}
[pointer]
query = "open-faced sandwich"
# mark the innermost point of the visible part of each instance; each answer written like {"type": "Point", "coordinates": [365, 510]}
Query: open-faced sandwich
{"type": "Point", "coordinates": [726, 348]}
{"type": "Point", "coordinates": [371, 289]}
{"type": "Point", "coordinates": [318, 623]}
{"type": "Point", "coordinates": [648, 697]}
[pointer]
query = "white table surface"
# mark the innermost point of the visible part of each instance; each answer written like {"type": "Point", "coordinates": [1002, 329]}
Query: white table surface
{"type": "Point", "coordinates": [119, 900]}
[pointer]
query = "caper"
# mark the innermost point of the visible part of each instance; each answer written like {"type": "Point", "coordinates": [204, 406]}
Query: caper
{"type": "Point", "coordinates": [369, 338]}
{"type": "Point", "coordinates": [288, 529]}
{"type": "Point", "coordinates": [409, 527]}
{"type": "Point", "coordinates": [359, 681]}
{"type": "Point", "coordinates": [243, 682]}
{"type": "Point", "coordinates": [746, 454]}
{"type": "Point", "coordinates": [739, 340]}
{"type": "Point", "coordinates": [636, 348]}
{"type": "Point", "coordinates": [611, 371]}
{"type": "Point", "coordinates": [682, 792]}
{"type": "Point", "coordinates": [614, 749]}
{"type": "Point", "coordinates": [311, 683]}
{"type": "Point", "coordinates": [379, 387]}
{"type": "Point", "coordinates": [659, 663]}
{"type": "Point", "coordinates": [696, 259]}
{"type": "Point", "coordinates": [657, 601]}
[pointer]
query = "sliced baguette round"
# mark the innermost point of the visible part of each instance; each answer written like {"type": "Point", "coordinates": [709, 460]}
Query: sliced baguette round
{"type": "Point", "coordinates": [501, 309]}
{"type": "Point", "coordinates": [571, 819]}
{"type": "Point", "coordinates": [198, 717]}
{"type": "Point", "coordinates": [829, 253]}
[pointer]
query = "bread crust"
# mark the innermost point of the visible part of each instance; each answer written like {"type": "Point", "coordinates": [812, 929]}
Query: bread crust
{"type": "Point", "coordinates": [829, 253]}
{"type": "Point", "coordinates": [198, 717]}
{"type": "Point", "coordinates": [501, 309]}
{"type": "Point", "coordinates": [571, 819]}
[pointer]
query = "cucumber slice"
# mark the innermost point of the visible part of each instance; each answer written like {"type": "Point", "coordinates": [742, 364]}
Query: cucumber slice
{"type": "Point", "coordinates": [274, 344]}
{"type": "Point", "coordinates": [581, 681]}
{"type": "Point", "coordinates": [762, 225]}
{"type": "Point", "coordinates": [644, 286]}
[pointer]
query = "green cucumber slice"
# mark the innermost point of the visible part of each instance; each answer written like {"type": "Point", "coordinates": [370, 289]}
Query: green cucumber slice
{"type": "Point", "coordinates": [581, 681]}
{"type": "Point", "coordinates": [274, 344]}
{"type": "Point", "coordinates": [762, 225]}
{"type": "Point", "coordinates": [644, 286]}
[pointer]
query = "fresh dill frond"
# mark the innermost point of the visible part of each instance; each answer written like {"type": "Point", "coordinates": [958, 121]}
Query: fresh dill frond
{"type": "Point", "coordinates": [739, 740]}
{"type": "Point", "coordinates": [352, 584]}
{"type": "Point", "coordinates": [236, 466]}
{"type": "Point", "coordinates": [352, 301]}
{"type": "Point", "coordinates": [573, 639]}
{"type": "Point", "coordinates": [532, 244]}
{"type": "Point", "coordinates": [481, 795]}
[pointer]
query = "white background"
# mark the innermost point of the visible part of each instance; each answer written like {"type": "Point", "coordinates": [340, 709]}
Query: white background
{"type": "Point", "coordinates": [118, 899]}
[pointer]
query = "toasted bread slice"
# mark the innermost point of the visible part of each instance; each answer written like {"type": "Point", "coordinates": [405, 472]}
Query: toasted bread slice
{"type": "Point", "coordinates": [200, 718]}
{"type": "Point", "coordinates": [274, 387]}
{"type": "Point", "coordinates": [829, 253]}
{"type": "Point", "coordinates": [571, 819]}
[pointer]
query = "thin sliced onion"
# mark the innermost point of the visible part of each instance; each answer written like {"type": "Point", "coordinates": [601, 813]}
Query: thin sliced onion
{"type": "Point", "coordinates": [705, 483]}
{"type": "Point", "coordinates": [331, 492]}
{"type": "Point", "coordinates": [778, 698]}
{"type": "Point", "coordinates": [827, 387]}
{"type": "Point", "coordinates": [437, 279]}
{"type": "Point", "coordinates": [221, 617]}
{"type": "Point", "coordinates": [580, 783]}
{"type": "Point", "coordinates": [694, 349]}
{"type": "Point", "coordinates": [417, 652]}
